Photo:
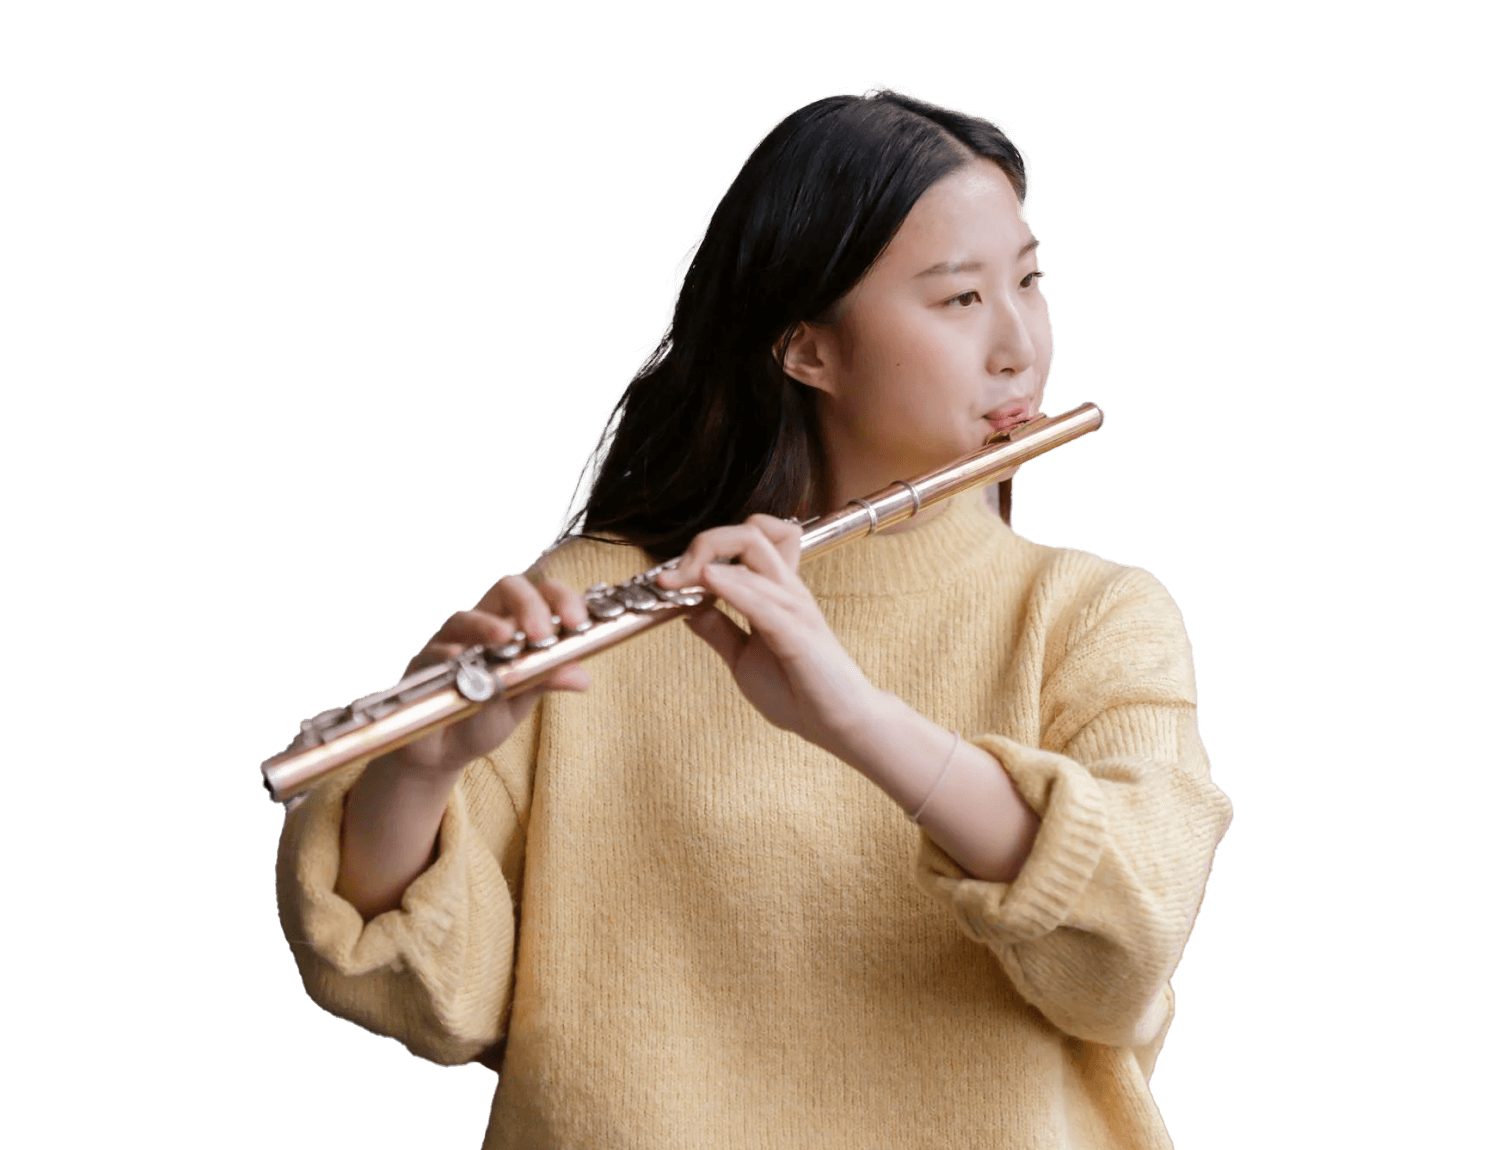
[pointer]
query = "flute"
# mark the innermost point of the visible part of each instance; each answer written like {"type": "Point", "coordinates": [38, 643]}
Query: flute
{"type": "Point", "coordinates": [457, 688]}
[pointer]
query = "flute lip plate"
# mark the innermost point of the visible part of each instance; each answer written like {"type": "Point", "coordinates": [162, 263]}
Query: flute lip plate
{"type": "Point", "coordinates": [1012, 432]}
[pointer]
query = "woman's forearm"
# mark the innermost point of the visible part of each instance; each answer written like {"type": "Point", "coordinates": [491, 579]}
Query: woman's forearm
{"type": "Point", "coordinates": [389, 831]}
{"type": "Point", "coordinates": [974, 813]}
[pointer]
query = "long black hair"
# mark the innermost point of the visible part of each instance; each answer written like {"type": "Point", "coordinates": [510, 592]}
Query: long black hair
{"type": "Point", "coordinates": [712, 430]}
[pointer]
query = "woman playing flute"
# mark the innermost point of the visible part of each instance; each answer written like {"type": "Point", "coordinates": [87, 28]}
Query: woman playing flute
{"type": "Point", "coordinates": [898, 850]}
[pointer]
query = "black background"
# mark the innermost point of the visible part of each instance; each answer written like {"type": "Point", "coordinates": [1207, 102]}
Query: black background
{"type": "Point", "coordinates": [438, 295]}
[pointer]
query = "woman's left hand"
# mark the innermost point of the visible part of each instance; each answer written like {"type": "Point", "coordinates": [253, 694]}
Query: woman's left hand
{"type": "Point", "coordinates": [789, 665]}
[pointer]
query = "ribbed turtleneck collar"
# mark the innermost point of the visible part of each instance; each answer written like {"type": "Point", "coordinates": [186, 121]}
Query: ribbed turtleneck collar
{"type": "Point", "coordinates": [967, 533]}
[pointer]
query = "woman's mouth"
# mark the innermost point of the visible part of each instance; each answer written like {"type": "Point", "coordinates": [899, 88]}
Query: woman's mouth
{"type": "Point", "coordinates": [1005, 418]}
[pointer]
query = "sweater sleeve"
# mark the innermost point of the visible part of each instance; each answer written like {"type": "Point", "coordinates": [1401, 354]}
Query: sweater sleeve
{"type": "Point", "coordinates": [435, 972]}
{"type": "Point", "coordinates": [1092, 928]}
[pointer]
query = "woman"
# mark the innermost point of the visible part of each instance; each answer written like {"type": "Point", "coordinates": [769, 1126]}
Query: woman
{"type": "Point", "coordinates": [684, 906]}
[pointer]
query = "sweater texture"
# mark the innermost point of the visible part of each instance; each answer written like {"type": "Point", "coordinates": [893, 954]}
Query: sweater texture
{"type": "Point", "coordinates": [669, 924]}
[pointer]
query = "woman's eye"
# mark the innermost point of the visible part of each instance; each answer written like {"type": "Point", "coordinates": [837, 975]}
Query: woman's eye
{"type": "Point", "coordinates": [966, 300]}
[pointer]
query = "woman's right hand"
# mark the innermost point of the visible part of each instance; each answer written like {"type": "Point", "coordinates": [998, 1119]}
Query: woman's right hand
{"type": "Point", "coordinates": [514, 604]}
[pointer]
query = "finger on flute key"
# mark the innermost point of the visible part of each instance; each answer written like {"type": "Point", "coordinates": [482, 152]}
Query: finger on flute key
{"type": "Point", "coordinates": [565, 602]}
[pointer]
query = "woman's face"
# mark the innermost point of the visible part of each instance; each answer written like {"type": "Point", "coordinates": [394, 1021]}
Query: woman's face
{"type": "Point", "coordinates": [944, 341]}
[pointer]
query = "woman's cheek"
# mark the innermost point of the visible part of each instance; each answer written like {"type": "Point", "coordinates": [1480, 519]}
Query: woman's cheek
{"type": "Point", "coordinates": [1048, 329]}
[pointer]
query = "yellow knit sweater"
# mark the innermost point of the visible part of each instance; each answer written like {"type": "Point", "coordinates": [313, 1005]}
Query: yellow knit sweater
{"type": "Point", "coordinates": [670, 924]}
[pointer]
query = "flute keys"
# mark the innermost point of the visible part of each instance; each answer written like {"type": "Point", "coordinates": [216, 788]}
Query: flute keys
{"type": "Point", "coordinates": [511, 649]}
{"type": "Point", "coordinates": [475, 682]}
{"type": "Point", "coordinates": [640, 594]}
{"type": "Point", "coordinates": [565, 629]}
{"type": "Point", "coordinates": [603, 603]}
{"type": "Point", "coordinates": [680, 597]}
{"type": "Point", "coordinates": [545, 644]}
{"type": "Point", "coordinates": [638, 597]}
{"type": "Point", "coordinates": [308, 736]}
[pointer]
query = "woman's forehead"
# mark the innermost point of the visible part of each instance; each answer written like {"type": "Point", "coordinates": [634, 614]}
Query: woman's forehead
{"type": "Point", "coordinates": [970, 215]}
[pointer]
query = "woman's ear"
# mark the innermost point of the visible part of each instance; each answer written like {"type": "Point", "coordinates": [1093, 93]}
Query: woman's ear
{"type": "Point", "coordinates": [808, 353]}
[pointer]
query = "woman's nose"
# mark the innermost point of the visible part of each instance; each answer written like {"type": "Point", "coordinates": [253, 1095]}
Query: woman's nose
{"type": "Point", "coordinates": [1011, 348]}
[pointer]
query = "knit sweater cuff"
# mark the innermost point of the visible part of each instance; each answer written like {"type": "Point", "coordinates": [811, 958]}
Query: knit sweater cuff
{"type": "Point", "coordinates": [1066, 851]}
{"type": "Point", "coordinates": [431, 908]}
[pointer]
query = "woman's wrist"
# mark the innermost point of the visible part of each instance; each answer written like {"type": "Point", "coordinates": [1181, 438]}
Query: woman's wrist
{"type": "Point", "coordinates": [396, 771]}
{"type": "Point", "coordinates": [390, 825]}
{"type": "Point", "coordinates": [865, 730]}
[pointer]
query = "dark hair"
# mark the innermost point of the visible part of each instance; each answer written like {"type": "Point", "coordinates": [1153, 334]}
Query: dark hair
{"type": "Point", "coordinates": [712, 430]}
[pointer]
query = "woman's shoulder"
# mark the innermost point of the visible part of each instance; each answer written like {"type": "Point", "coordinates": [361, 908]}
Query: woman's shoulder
{"type": "Point", "coordinates": [1083, 575]}
{"type": "Point", "coordinates": [1082, 595]}
{"type": "Point", "coordinates": [1078, 580]}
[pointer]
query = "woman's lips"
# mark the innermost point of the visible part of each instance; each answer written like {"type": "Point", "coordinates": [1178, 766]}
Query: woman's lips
{"type": "Point", "coordinates": [1003, 420]}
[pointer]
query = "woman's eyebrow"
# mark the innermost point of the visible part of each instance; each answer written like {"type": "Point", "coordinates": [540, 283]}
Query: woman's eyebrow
{"type": "Point", "coordinates": [952, 267]}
